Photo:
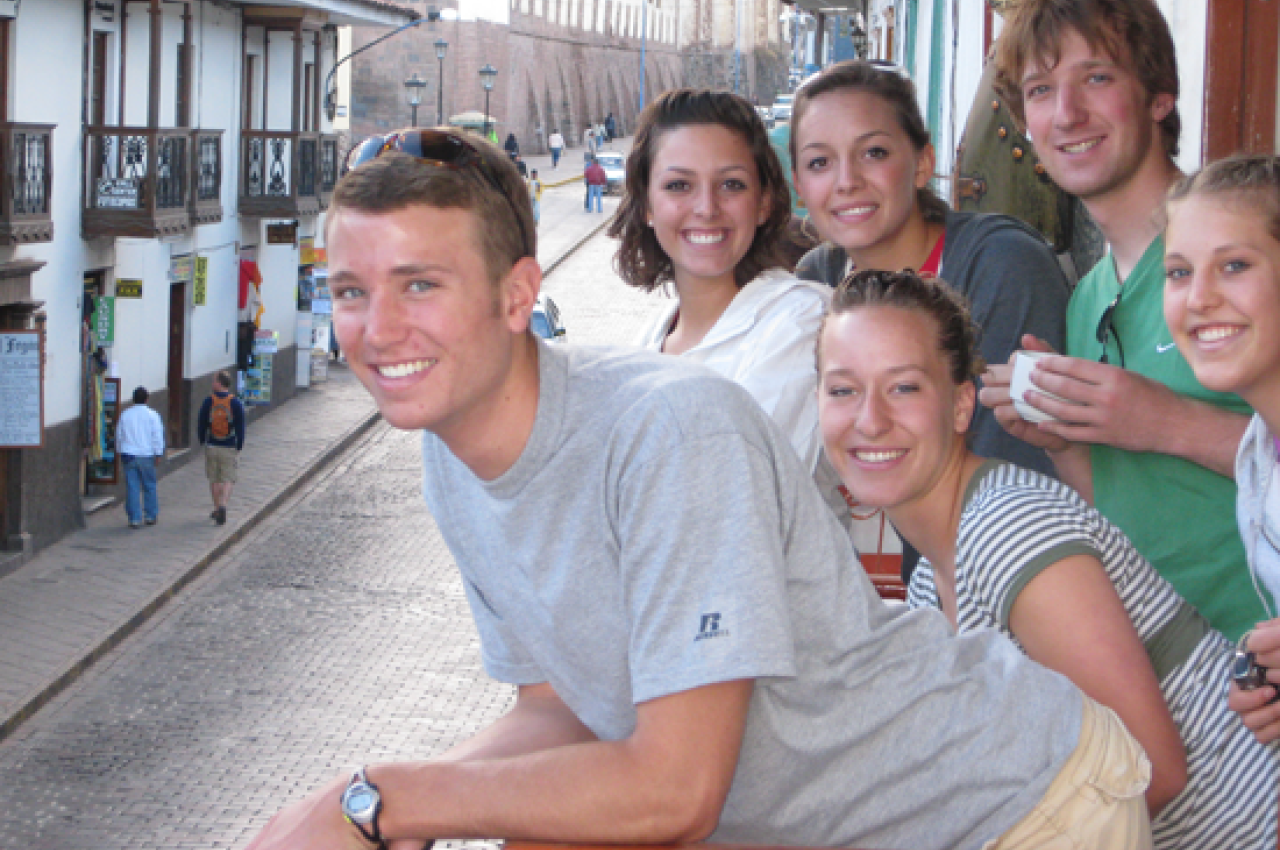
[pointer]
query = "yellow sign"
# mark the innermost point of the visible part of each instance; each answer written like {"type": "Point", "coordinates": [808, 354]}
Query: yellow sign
{"type": "Point", "coordinates": [307, 251]}
{"type": "Point", "coordinates": [198, 289]}
{"type": "Point", "coordinates": [128, 288]}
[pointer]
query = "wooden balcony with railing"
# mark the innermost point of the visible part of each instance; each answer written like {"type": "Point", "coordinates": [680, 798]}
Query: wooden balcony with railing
{"type": "Point", "coordinates": [284, 174]}
{"type": "Point", "coordinates": [137, 181]}
{"type": "Point", "coordinates": [26, 183]}
{"type": "Point", "coordinates": [206, 177]}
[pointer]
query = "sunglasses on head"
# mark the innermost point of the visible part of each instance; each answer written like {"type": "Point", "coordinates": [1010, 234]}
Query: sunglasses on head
{"type": "Point", "coordinates": [442, 150]}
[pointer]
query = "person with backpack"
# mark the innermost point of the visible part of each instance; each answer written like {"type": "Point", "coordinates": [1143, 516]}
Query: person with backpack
{"type": "Point", "coordinates": [220, 429]}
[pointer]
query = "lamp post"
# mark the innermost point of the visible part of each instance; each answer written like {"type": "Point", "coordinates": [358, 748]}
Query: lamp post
{"type": "Point", "coordinates": [859, 39]}
{"type": "Point", "coordinates": [414, 86]}
{"type": "Point", "coordinates": [487, 75]}
{"type": "Point", "coordinates": [331, 93]}
{"type": "Point", "coordinates": [441, 47]}
{"type": "Point", "coordinates": [644, 40]}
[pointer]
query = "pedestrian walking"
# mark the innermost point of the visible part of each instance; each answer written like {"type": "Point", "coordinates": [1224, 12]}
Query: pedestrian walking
{"type": "Point", "coordinates": [512, 147]}
{"type": "Point", "coordinates": [589, 143]}
{"type": "Point", "coordinates": [596, 181]}
{"type": "Point", "coordinates": [556, 144]}
{"type": "Point", "coordinates": [140, 440]}
{"type": "Point", "coordinates": [535, 195]}
{"type": "Point", "coordinates": [220, 428]}
{"type": "Point", "coordinates": [521, 167]}
{"type": "Point", "coordinates": [610, 127]}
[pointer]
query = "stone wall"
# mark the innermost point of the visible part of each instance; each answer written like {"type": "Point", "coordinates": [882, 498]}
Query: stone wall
{"type": "Point", "coordinates": [549, 74]}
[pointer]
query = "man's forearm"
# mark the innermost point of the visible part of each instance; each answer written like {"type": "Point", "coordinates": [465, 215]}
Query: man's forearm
{"type": "Point", "coordinates": [1205, 434]}
{"type": "Point", "coordinates": [590, 792]}
{"type": "Point", "coordinates": [665, 783]}
{"type": "Point", "coordinates": [1074, 467]}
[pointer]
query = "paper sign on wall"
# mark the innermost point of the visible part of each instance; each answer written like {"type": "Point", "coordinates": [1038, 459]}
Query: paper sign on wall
{"type": "Point", "coordinates": [104, 320]}
{"type": "Point", "coordinates": [21, 390]}
{"type": "Point", "coordinates": [200, 286]}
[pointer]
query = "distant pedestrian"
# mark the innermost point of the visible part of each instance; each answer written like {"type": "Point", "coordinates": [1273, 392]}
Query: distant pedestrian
{"type": "Point", "coordinates": [610, 127]}
{"type": "Point", "coordinates": [521, 167]}
{"type": "Point", "coordinates": [602, 138]}
{"type": "Point", "coordinates": [140, 440]}
{"type": "Point", "coordinates": [220, 429]}
{"type": "Point", "coordinates": [535, 195]}
{"type": "Point", "coordinates": [512, 147]}
{"type": "Point", "coordinates": [596, 181]}
{"type": "Point", "coordinates": [556, 144]}
{"type": "Point", "coordinates": [589, 143]}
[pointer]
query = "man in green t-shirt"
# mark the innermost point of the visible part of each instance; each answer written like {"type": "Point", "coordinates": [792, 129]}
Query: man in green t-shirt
{"type": "Point", "coordinates": [1096, 83]}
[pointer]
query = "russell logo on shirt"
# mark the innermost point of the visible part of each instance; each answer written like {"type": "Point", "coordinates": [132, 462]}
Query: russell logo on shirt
{"type": "Point", "coordinates": [709, 628]}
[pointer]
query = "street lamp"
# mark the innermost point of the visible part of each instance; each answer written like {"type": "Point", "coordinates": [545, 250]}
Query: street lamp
{"type": "Point", "coordinates": [859, 39]}
{"type": "Point", "coordinates": [331, 92]}
{"type": "Point", "coordinates": [441, 47]}
{"type": "Point", "coordinates": [414, 86]}
{"type": "Point", "coordinates": [487, 75]}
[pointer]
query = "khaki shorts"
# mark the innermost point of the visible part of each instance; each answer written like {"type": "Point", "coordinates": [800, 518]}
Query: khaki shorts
{"type": "Point", "coordinates": [1097, 799]}
{"type": "Point", "coordinates": [220, 464]}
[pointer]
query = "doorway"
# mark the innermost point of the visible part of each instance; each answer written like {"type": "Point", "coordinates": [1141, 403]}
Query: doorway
{"type": "Point", "coordinates": [176, 431]}
{"type": "Point", "coordinates": [1240, 78]}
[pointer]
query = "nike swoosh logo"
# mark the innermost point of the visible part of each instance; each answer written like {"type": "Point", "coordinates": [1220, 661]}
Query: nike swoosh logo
{"type": "Point", "coordinates": [1161, 349]}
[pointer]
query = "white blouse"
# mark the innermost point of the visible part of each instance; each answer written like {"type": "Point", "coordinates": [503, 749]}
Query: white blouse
{"type": "Point", "coordinates": [765, 341]}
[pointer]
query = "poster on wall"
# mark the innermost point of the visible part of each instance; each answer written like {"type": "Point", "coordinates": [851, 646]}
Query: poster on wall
{"type": "Point", "coordinates": [266, 342]}
{"type": "Point", "coordinates": [181, 268]}
{"type": "Point", "coordinates": [104, 320]}
{"type": "Point", "coordinates": [199, 290]}
{"type": "Point", "coordinates": [21, 390]}
{"type": "Point", "coordinates": [257, 381]}
{"type": "Point", "coordinates": [102, 467]}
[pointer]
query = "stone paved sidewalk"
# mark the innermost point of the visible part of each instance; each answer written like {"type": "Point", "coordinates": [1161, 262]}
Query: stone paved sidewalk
{"type": "Point", "coordinates": [75, 600]}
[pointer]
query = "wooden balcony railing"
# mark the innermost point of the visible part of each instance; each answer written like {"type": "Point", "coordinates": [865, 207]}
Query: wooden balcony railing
{"type": "Point", "coordinates": [26, 183]}
{"type": "Point", "coordinates": [137, 181]}
{"type": "Point", "coordinates": [285, 174]}
{"type": "Point", "coordinates": [206, 177]}
{"type": "Point", "coordinates": [328, 168]}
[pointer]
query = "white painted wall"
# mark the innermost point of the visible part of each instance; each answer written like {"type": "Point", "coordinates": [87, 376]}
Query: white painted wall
{"type": "Point", "coordinates": [141, 351]}
{"type": "Point", "coordinates": [218, 68]}
{"type": "Point", "coordinates": [49, 48]}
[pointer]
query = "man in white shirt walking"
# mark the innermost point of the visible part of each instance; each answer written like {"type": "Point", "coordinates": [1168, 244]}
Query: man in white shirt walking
{"type": "Point", "coordinates": [140, 440]}
{"type": "Point", "coordinates": [556, 143]}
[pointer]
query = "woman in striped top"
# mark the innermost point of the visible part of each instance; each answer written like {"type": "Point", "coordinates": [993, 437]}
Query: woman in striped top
{"type": "Point", "coordinates": [1011, 549]}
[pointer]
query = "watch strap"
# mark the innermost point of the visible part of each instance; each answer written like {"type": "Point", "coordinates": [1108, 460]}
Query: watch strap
{"type": "Point", "coordinates": [374, 833]}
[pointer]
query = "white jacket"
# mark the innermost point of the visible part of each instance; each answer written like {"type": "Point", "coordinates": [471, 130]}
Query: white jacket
{"type": "Point", "coordinates": [1258, 509]}
{"type": "Point", "coordinates": [764, 341]}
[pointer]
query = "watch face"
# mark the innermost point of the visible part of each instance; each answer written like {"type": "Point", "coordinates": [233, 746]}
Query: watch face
{"type": "Point", "coordinates": [359, 802]}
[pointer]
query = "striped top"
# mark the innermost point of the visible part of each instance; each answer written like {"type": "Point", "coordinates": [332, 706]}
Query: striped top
{"type": "Point", "coordinates": [1015, 523]}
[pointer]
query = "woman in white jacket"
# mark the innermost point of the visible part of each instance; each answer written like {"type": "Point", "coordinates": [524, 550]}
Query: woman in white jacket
{"type": "Point", "coordinates": [706, 209]}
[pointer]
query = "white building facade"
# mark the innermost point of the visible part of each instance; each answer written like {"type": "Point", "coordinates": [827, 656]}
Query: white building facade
{"type": "Point", "coordinates": [157, 154]}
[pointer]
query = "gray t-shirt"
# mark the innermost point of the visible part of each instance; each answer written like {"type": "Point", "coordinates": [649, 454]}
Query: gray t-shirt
{"type": "Point", "coordinates": [657, 535]}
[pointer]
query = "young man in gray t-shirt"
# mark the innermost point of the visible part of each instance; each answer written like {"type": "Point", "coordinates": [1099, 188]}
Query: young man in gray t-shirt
{"type": "Point", "coordinates": [696, 648]}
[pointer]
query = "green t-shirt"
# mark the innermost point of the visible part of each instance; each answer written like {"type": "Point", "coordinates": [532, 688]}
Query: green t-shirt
{"type": "Point", "coordinates": [1178, 514]}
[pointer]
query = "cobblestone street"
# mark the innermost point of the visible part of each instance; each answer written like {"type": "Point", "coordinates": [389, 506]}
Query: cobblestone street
{"type": "Point", "coordinates": [334, 633]}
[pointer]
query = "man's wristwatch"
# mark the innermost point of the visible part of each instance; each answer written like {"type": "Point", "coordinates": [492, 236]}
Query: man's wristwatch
{"type": "Point", "coordinates": [361, 804]}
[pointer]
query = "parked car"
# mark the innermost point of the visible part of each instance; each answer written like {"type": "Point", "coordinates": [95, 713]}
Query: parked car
{"type": "Point", "coordinates": [782, 108]}
{"type": "Point", "coordinates": [545, 320]}
{"type": "Point", "coordinates": [615, 169]}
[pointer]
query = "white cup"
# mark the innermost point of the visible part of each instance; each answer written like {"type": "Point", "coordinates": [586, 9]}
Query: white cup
{"type": "Point", "coordinates": [1023, 364]}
